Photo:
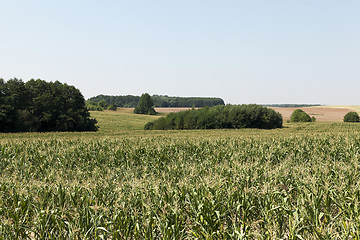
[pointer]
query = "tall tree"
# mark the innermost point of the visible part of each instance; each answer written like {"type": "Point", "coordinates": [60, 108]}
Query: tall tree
{"type": "Point", "coordinates": [4, 106]}
{"type": "Point", "coordinates": [145, 106]}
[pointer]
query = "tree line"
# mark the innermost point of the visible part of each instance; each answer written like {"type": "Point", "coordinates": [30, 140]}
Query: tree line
{"type": "Point", "coordinates": [131, 101]}
{"type": "Point", "coordinates": [42, 106]}
{"type": "Point", "coordinates": [286, 105]}
{"type": "Point", "coordinates": [220, 117]}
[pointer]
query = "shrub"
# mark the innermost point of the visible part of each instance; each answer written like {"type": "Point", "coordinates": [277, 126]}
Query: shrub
{"type": "Point", "coordinates": [102, 104]}
{"type": "Point", "coordinates": [92, 106]}
{"type": "Point", "coordinates": [112, 107]}
{"type": "Point", "coordinates": [229, 116]}
{"type": "Point", "coordinates": [300, 116]}
{"type": "Point", "coordinates": [351, 117]}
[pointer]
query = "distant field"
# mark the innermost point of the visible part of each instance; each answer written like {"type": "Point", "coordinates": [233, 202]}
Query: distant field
{"type": "Point", "coordinates": [298, 182]}
{"type": "Point", "coordinates": [122, 119]}
{"type": "Point", "coordinates": [355, 108]}
{"type": "Point", "coordinates": [321, 113]}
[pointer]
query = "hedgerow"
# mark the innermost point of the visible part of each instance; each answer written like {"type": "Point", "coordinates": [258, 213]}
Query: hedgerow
{"type": "Point", "coordinates": [219, 117]}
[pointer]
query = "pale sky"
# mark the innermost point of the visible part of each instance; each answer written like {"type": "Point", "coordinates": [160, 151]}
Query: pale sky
{"type": "Point", "coordinates": [254, 51]}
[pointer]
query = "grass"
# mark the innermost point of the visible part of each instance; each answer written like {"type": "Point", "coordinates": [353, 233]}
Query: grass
{"type": "Point", "coordinates": [123, 119]}
{"type": "Point", "coordinates": [298, 182]}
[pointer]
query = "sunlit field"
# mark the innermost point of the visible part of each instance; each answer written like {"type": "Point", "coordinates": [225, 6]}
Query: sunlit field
{"type": "Point", "coordinates": [298, 182]}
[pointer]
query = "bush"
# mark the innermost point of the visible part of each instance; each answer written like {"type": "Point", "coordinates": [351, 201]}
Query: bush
{"type": "Point", "coordinates": [229, 116]}
{"type": "Point", "coordinates": [300, 116]}
{"type": "Point", "coordinates": [112, 107]}
{"type": "Point", "coordinates": [102, 104]}
{"type": "Point", "coordinates": [351, 117]}
{"type": "Point", "coordinates": [92, 106]}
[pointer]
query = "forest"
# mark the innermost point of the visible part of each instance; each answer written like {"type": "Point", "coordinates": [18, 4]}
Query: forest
{"type": "Point", "coordinates": [131, 101]}
{"type": "Point", "coordinates": [287, 105]}
{"type": "Point", "coordinates": [40, 106]}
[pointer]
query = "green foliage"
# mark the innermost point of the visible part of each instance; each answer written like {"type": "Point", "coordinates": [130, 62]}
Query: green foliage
{"type": "Point", "coordinates": [102, 104]}
{"type": "Point", "coordinates": [145, 106]}
{"type": "Point", "coordinates": [221, 184]}
{"type": "Point", "coordinates": [41, 106]}
{"type": "Point", "coordinates": [229, 116]}
{"type": "Point", "coordinates": [112, 107]}
{"type": "Point", "coordinates": [351, 117]}
{"type": "Point", "coordinates": [127, 101]}
{"type": "Point", "coordinates": [300, 116]}
{"type": "Point", "coordinates": [166, 101]}
{"type": "Point", "coordinates": [291, 105]}
{"type": "Point", "coordinates": [159, 101]}
{"type": "Point", "coordinates": [93, 106]}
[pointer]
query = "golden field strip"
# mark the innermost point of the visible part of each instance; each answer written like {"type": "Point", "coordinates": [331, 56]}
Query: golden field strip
{"type": "Point", "coordinates": [298, 182]}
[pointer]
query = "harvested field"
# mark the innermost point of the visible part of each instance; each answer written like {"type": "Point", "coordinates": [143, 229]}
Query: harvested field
{"type": "Point", "coordinates": [322, 114]}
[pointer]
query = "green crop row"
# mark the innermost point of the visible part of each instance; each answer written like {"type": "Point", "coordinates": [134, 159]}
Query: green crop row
{"type": "Point", "coordinates": [267, 186]}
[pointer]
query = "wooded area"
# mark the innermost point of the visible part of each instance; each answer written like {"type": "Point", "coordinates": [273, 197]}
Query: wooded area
{"type": "Point", "coordinates": [218, 117]}
{"type": "Point", "coordinates": [40, 106]}
{"type": "Point", "coordinates": [158, 100]}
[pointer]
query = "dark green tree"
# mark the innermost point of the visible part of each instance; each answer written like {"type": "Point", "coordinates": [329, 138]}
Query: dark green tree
{"type": "Point", "coordinates": [351, 117]}
{"type": "Point", "coordinates": [42, 106]}
{"type": "Point", "coordinates": [145, 106]}
{"type": "Point", "coordinates": [229, 116]}
{"type": "Point", "coordinates": [300, 116]}
{"type": "Point", "coordinates": [159, 101]}
{"type": "Point", "coordinates": [5, 108]}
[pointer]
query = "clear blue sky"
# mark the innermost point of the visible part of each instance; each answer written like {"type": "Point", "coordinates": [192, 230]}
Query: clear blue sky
{"type": "Point", "coordinates": [254, 51]}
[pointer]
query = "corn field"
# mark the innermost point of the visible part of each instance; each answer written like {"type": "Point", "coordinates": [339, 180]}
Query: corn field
{"type": "Point", "coordinates": [173, 186]}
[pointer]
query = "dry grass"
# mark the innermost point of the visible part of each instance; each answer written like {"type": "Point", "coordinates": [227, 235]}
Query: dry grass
{"type": "Point", "coordinates": [355, 108]}
{"type": "Point", "coordinates": [321, 113]}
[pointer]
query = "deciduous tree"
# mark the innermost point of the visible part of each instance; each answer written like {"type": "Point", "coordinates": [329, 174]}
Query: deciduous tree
{"type": "Point", "coordinates": [43, 106]}
{"type": "Point", "coordinates": [145, 106]}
